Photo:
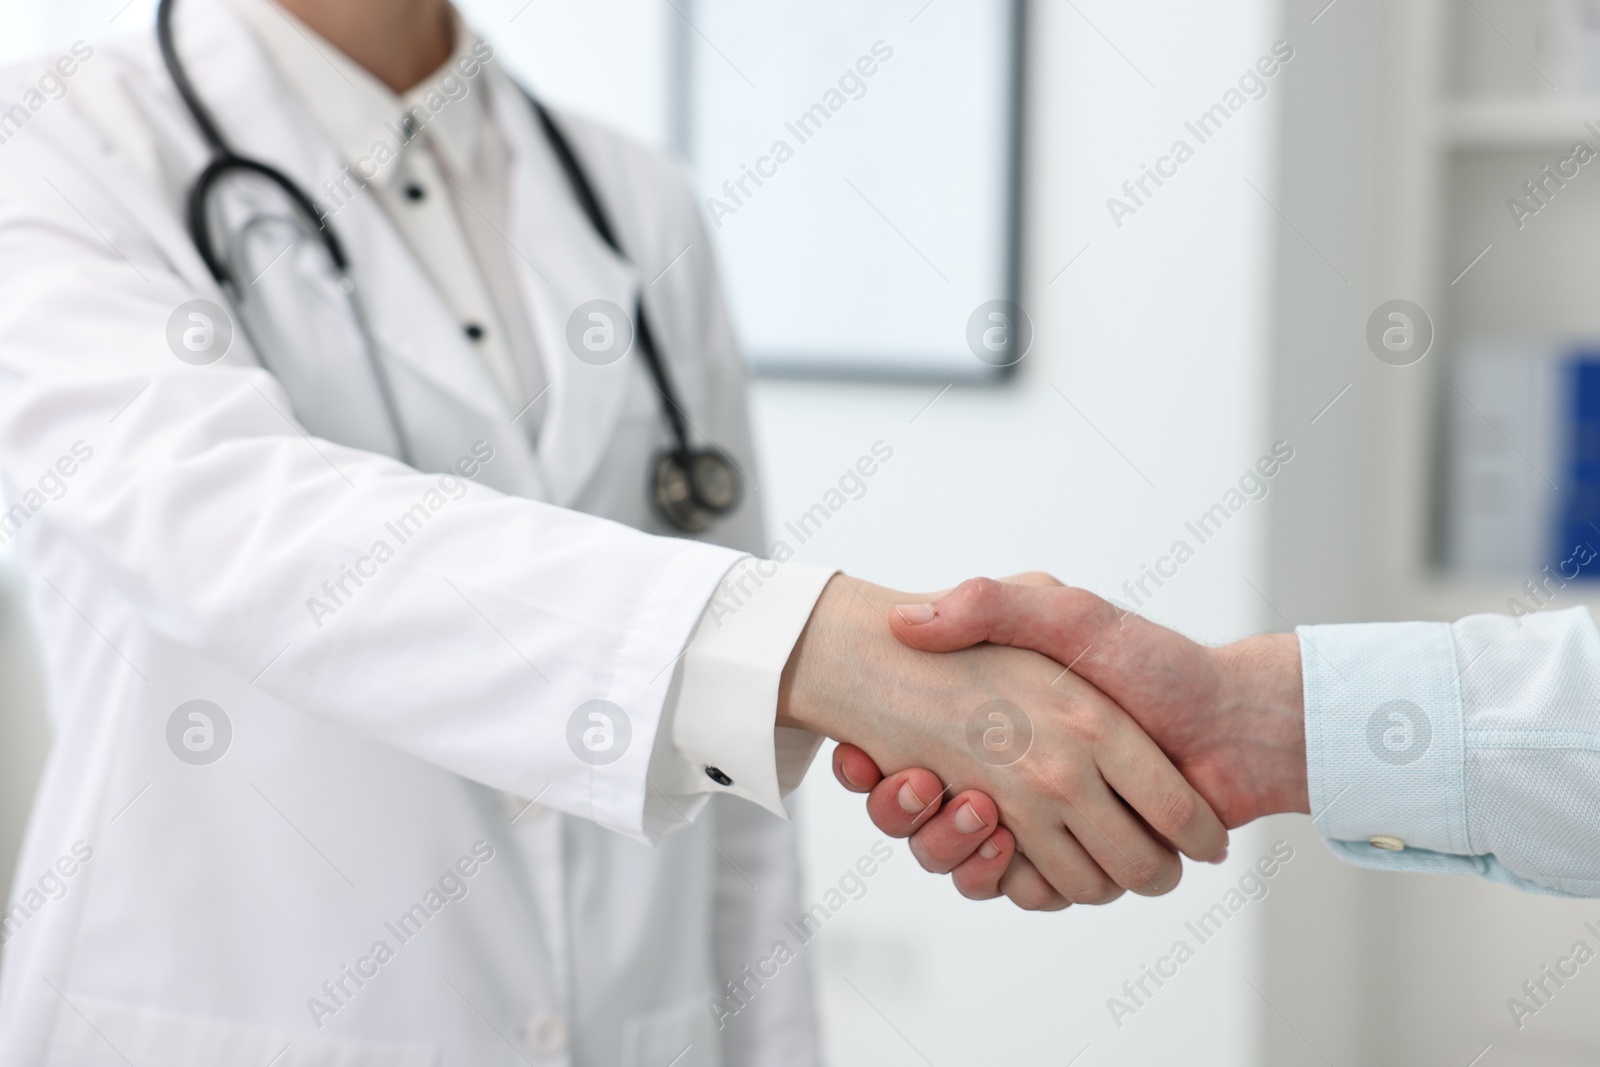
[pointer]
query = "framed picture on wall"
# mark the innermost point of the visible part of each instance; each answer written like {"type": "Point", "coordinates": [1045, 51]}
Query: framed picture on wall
{"type": "Point", "coordinates": [858, 166]}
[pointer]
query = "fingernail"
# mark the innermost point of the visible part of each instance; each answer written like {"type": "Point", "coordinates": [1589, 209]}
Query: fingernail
{"type": "Point", "coordinates": [916, 614]}
{"type": "Point", "coordinates": [910, 803]}
{"type": "Point", "coordinates": [967, 820]}
{"type": "Point", "coordinates": [989, 850]}
{"type": "Point", "coordinates": [1221, 857]}
{"type": "Point", "coordinates": [845, 771]}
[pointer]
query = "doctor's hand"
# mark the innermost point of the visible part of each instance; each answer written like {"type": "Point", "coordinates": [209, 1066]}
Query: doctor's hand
{"type": "Point", "coordinates": [1230, 718]}
{"type": "Point", "coordinates": [1089, 802]}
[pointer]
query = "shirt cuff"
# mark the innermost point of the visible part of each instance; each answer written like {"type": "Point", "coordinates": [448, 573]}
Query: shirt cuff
{"type": "Point", "coordinates": [718, 731]}
{"type": "Point", "coordinates": [1385, 762]}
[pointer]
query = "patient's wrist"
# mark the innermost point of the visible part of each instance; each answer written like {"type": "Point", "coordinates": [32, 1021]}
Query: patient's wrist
{"type": "Point", "coordinates": [1263, 719]}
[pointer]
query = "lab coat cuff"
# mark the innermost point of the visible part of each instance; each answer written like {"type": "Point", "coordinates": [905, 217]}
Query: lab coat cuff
{"type": "Point", "coordinates": [620, 793]}
{"type": "Point", "coordinates": [1385, 741]}
{"type": "Point", "coordinates": [723, 719]}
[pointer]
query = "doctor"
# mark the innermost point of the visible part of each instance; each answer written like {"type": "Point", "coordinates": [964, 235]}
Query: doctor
{"type": "Point", "coordinates": [345, 399]}
{"type": "Point", "coordinates": [317, 714]}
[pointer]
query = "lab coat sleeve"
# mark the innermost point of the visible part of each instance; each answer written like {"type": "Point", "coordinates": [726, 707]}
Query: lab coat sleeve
{"type": "Point", "coordinates": [722, 713]}
{"type": "Point", "coordinates": [1473, 746]}
{"type": "Point", "coordinates": [479, 644]}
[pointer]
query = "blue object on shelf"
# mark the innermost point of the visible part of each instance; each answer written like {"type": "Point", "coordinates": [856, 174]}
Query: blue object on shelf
{"type": "Point", "coordinates": [1577, 545]}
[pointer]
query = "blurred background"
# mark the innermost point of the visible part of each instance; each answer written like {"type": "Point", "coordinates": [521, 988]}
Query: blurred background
{"type": "Point", "coordinates": [1382, 253]}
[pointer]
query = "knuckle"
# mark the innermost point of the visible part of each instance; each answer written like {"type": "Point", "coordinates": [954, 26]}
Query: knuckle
{"type": "Point", "coordinates": [1178, 813]}
{"type": "Point", "coordinates": [1032, 897]}
{"type": "Point", "coordinates": [1090, 723]}
{"type": "Point", "coordinates": [979, 592]}
{"type": "Point", "coordinates": [1053, 778]}
{"type": "Point", "coordinates": [1144, 873]}
{"type": "Point", "coordinates": [1094, 891]}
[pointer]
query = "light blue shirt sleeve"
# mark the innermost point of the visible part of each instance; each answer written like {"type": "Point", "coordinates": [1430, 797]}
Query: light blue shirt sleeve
{"type": "Point", "coordinates": [1469, 748]}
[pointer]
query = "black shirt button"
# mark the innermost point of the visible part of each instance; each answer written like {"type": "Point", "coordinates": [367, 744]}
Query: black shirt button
{"type": "Point", "coordinates": [473, 331]}
{"type": "Point", "coordinates": [717, 776]}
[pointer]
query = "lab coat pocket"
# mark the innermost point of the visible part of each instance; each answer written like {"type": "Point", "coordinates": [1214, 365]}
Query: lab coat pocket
{"type": "Point", "coordinates": [684, 1031]}
{"type": "Point", "coordinates": [91, 1032]}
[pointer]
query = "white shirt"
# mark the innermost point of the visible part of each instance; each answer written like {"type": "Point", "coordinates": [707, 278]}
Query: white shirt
{"type": "Point", "coordinates": [1470, 747]}
{"type": "Point", "coordinates": [445, 188]}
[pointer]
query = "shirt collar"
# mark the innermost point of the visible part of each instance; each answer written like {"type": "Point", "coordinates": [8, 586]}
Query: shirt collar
{"type": "Point", "coordinates": [366, 120]}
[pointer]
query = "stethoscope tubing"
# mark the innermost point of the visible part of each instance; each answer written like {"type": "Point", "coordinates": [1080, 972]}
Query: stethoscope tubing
{"type": "Point", "coordinates": [225, 161]}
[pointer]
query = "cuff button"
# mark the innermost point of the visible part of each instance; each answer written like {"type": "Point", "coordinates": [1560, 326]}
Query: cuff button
{"type": "Point", "coordinates": [1387, 843]}
{"type": "Point", "coordinates": [717, 776]}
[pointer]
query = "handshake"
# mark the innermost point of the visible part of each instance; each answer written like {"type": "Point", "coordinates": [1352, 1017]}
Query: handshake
{"type": "Point", "coordinates": [1041, 743]}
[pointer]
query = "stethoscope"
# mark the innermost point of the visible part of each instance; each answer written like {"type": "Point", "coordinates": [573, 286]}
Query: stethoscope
{"type": "Point", "coordinates": [691, 488]}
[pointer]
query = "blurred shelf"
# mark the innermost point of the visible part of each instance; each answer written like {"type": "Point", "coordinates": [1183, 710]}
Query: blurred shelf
{"type": "Point", "coordinates": [1513, 124]}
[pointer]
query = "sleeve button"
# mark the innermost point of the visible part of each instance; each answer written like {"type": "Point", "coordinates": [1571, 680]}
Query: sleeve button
{"type": "Point", "coordinates": [717, 776]}
{"type": "Point", "coordinates": [1386, 842]}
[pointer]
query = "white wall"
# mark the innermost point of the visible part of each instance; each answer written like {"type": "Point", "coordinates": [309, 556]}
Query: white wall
{"type": "Point", "coordinates": [31, 27]}
{"type": "Point", "coordinates": [608, 58]}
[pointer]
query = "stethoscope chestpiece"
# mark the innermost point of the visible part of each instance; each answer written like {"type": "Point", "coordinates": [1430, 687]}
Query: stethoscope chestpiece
{"type": "Point", "coordinates": [693, 490]}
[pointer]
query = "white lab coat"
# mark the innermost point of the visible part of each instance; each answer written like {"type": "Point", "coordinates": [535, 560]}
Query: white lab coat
{"type": "Point", "coordinates": [372, 755]}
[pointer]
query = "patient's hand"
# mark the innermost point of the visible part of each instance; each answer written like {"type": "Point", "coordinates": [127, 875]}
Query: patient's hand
{"type": "Point", "coordinates": [1093, 804]}
{"type": "Point", "coordinates": [1231, 719]}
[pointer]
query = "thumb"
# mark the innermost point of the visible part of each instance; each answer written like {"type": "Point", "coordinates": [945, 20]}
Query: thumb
{"type": "Point", "coordinates": [1052, 619]}
{"type": "Point", "coordinates": [959, 619]}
